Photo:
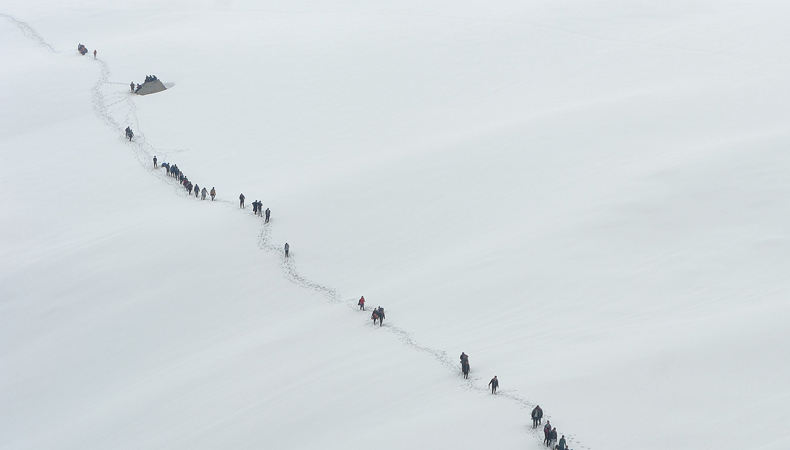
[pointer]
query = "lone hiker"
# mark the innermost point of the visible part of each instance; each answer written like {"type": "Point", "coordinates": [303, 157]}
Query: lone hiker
{"type": "Point", "coordinates": [267, 215]}
{"type": "Point", "coordinates": [154, 161]}
{"type": "Point", "coordinates": [287, 248]}
{"type": "Point", "coordinates": [129, 133]}
{"type": "Point", "coordinates": [537, 416]}
{"type": "Point", "coordinates": [494, 383]}
{"type": "Point", "coordinates": [465, 365]}
{"type": "Point", "coordinates": [361, 303]}
{"type": "Point", "coordinates": [213, 193]}
{"type": "Point", "coordinates": [131, 86]}
{"type": "Point", "coordinates": [241, 201]}
{"type": "Point", "coordinates": [94, 54]}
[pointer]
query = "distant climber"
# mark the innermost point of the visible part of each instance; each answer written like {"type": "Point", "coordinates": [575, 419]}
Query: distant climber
{"type": "Point", "coordinates": [94, 54]}
{"type": "Point", "coordinates": [537, 416]}
{"type": "Point", "coordinates": [154, 161]}
{"type": "Point", "coordinates": [494, 383]}
{"type": "Point", "coordinates": [213, 193]}
{"type": "Point", "coordinates": [131, 86]}
{"type": "Point", "coordinates": [287, 249]}
{"type": "Point", "coordinates": [380, 312]}
{"type": "Point", "coordinates": [203, 194]}
{"type": "Point", "coordinates": [255, 207]}
{"type": "Point", "coordinates": [241, 201]}
{"type": "Point", "coordinates": [82, 49]}
{"type": "Point", "coordinates": [267, 215]}
{"type": "Point", "coordinates": [465, 364]}
{"type": "Point", "coordinates": [562, 445]}
{"type": "Point", "coordinates": [375, 316]}
{"type": "Point", "coordinates": [260, 208]}
{"type": "Point", "coordinates": [129, 133]}
{"type": "Point", "coordinates": [361, 303]}
{"type": "Point", "coordinates": [552, 437]}
{"type": "Point", "coordinates": [197, 190]}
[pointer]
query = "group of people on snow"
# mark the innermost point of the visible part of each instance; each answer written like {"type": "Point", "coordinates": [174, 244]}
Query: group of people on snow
{"type": "Point", "coordinates": [550, 438]}
{"type": "Point", "coordinates": [549, 432]}
{"type": "Point", "coordinates": [175, 172]}
{"type": "Point", "coordinates": [257, 209]}
{"type": "Point", "coordinates": [84, 50]}
{"type": "Point", "coordinates": [378, 315]}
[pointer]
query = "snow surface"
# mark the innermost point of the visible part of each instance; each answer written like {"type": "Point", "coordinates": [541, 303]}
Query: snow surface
{"type": "Point", "coordinates": [588, 198]}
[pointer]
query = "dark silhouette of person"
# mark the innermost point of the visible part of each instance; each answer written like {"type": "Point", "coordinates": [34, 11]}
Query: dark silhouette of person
{"type": "Point", "coordinates": [287, 249]}
{"type": "Point", "coordinates": [361, 303]}
{"type": "Point", "coordinates": [267, 215]}
{"type": "Point", "coordinates": [213, 193]}
{"type": "Point", "coordinates": [154, 161]}
{"type": "Point", "coordinates": [241, 201]}
{"type": "Point", "coordinates": [494, 383]}
{"type": "Point", "coordinates": [381, 316]}
{"type": "Point", "coordinates": [537, 415]}
{"type": "Point", "coordinates": [131, 86]}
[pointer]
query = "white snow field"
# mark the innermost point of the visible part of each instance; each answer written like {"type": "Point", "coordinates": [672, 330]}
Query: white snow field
{"type": "Point", "coordinates": [590, 198]}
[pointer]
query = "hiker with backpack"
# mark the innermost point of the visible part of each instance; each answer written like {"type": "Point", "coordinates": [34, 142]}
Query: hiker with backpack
{"type": "Point", "coordinates": [537, 415]}
{"type": "Point", "coordinates": [361, 303]}
{"type": "Point", "coordinates": [381, 315]}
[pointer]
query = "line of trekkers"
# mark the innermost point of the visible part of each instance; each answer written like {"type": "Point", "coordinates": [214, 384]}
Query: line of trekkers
{"type": "Point", "coordinates": [175, 172]}
{"type": "Point", "coordinates": [549, 432]}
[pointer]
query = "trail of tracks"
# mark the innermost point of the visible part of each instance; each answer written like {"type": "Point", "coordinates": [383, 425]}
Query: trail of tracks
{"type": "Point", "coordinates": [107, 107]}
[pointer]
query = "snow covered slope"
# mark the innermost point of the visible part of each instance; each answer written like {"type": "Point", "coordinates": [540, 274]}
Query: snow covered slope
{"type": "Point", "coordinates": [589, 198]}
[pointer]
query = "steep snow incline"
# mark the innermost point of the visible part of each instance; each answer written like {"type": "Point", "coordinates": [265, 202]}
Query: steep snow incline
{"type": "Point", "coordinates": [589, 198]}
{"type": "Point", "coordinates": [136, 317]}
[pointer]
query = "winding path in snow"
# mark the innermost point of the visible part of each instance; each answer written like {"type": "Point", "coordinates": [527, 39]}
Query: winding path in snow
{"type": "Point", "coordinates": [144, 152]}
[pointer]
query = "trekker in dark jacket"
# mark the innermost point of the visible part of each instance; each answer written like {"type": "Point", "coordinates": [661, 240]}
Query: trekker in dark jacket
{"type": "Point", "coordinates": [494, 383]}
{"type": "Point", "coordinates": [267, 215]}
{"type": "Point", "coordinates": [361, 303]}
{"type": "Point", "coordinates": [154, 161]}
{"type": "Point", "coordinates": [381, 316]}
{"type": "Point", "coordinates": [203, 194]}
{"type": "Point", "coordinates": [241, 201]}
{"type": "Point", "coordinates": [537, 415]}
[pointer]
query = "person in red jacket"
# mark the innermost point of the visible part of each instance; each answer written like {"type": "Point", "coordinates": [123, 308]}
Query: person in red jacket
{"type": "Point", "coordinates": [361, 303]}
